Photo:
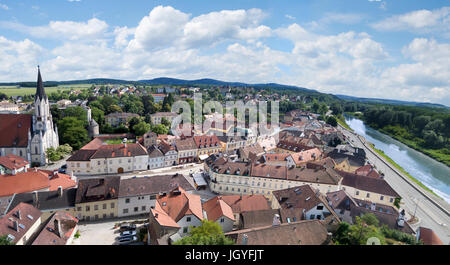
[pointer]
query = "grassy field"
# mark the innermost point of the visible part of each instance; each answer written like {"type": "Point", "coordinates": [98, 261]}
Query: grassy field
{"type": "Point", "coordinates": [381, 153]}
{"type": "Point", "coordinates": [342, 122]}
{"type": "Point", "coordinates": [22, 91]}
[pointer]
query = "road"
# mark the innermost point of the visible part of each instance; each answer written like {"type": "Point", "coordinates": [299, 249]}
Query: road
{"type": "Point", "coordinates": [429, 214]}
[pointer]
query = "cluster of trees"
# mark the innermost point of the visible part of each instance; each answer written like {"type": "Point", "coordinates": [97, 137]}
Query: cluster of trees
{"type": "Point", "coordinates": [209, 233]}
{"type": "Point", "coordinates": [368, 226]}
{"type": "Point", "coordinates": [58, 153]}
{"type": "Point", "coordinates": [429, 128]}
{"type": "Point", "coordinates": [72, 126]}
{"type": "Point", "coordinates": [3, 96]}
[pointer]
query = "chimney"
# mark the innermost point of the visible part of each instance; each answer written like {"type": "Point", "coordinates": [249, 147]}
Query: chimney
{"type": "Point", "coordinates": [16, 226]}
{"type": "Point", "coordinates": [156, 215]}
{"type": "Point", "coordinates": [276, 220]}
{"type": "Point", "coordinates": [60, 191]}
{"type": "Point", "coordinates": [18, 214]}
{"type": "Point", "coordinates": [35, 198]}
{"type": "Point", "coordinates": [58, 230]}
{"type": "Point", "coordinates": [244, 239]}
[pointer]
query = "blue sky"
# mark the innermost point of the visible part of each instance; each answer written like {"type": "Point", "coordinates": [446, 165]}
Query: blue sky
{"type": "Point", "coordinates": [367, 48]}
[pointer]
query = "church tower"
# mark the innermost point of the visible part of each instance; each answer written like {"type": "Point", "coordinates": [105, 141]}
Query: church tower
{"type": "Point", "coordinates": [45, 134]}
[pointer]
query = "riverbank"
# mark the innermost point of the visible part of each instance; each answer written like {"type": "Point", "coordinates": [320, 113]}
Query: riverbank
{"type": "Point", "coordinates": [392, 162]}
{"type": "Point", "coordinates": [440, 155]}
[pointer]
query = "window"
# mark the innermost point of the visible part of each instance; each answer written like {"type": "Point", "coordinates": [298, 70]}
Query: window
{"type": "Point", "coordinates": [188, 219]}
{"type": "Point", "coordinates": [222, 220]}
{"type": "Point", "coordinates": [112, 205]}
{"type": "Point", "coordinates": [79, 209]}
{"type": "Point", "coordinates": [136, 209]}
{"type": "Point", "coordinates": [104, 206]}
{"type": "Point", "coordinates": [319, 217]}
{"type": "Point", "coordinates": [357, 192]}
{"type": "Point", "coordinates": [125, 210]}
{"type": "Point", "coordinates": [111, 215]}
{"type": "Point", "coordinates": [288, 219]}
{"type": "Point", "coordinates": [312, 216]}
{"type": "Point", "coordinates": [319, 207]}
{"type": "Point", "coordinates": [381, 198]}
{"type": "Point", "coordinates": [368, 195]}
{"type": "Point", "coordinates": [88, 208]}
{"type": "Point", "coordinates": [96, 207]}
{"type": "Point", "coordinates": [143, 208]}
{"type": "Point", "coordinates": [96, 217]}
{"type": "Point", "coordinates": [127, 200]}
{"type": "Point", "coordinates": [391, 200]}
{"type": "Point", "coordinates": [104, 215]}
{"type": "Point", "coordinates": [185, 230]}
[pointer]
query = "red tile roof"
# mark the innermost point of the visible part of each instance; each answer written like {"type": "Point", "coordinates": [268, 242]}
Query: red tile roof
{"type": "Point", "coordinates": [49, 236]}
{"type": "Point", "coordinates": [7, 221]}
{"type": "Point", "coordinates": [428, 237]}
{"type": "Point", "coordinates": [23, 182]}
{"type": "Point", "coordinates": [246, 203]}
{"type": "Point", "coordinates": [216, 208]}
{"type": "Point", "coordinates": [178, 205]}
{"type": "Point", "coordinates": [14, 130]}
{"type": "Point", "coordinates": [13, 162]}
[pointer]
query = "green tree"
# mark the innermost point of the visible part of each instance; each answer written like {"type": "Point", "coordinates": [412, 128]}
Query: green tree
{"type": "Point", "coordinates": [98, 115]}
{"type": "Point", "coordinates": [209, 233]}
{"type": "Point", "coordinates": [165, 122]}
{"type": "Point", "coordinates": [332, 121]}
{"type": "Point", "coordinates": [76, 137]}
{"type": "Point", "coordinates": [160, 129]}
{"type": "Point", "coordinates": [4, 241]}
{"type": "Point", "coordinates": [141, 128]}
{"type": "Point", "coordinates": [52, 154]}
{"type": "Point", "coordinates": [114, 108]}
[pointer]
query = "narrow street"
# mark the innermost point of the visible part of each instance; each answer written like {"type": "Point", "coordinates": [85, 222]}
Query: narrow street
{"type": "Point", "coordinates": [429, 215]}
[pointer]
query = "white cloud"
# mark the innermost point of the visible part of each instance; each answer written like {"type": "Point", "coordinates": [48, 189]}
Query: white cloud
{"type": "Point", "coordinates": [421, 21]}
{"type": "Point", "coordinates": [3, 6]}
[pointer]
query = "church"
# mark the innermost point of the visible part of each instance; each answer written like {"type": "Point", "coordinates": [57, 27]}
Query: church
{"type": "Point", "coordinates": [30, 135]}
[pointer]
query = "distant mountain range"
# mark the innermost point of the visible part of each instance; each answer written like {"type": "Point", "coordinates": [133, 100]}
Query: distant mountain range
{"type": "Point", "coordinates": [206, 81]}
{"type": "Point", "coordinates": [391, 101]}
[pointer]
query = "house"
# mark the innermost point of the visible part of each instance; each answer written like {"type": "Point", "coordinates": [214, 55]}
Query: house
{"type": "Point", "coordinates": [108, 159]}
{"type": "Point", "coordinates": [347, 208]}
{"type": "Point", "coordinates": [170, 153]}
{"type": "Point", "coordinates": [155, 157]}
{"type": "Point", "coordinates": [348, 158]}
{"type": "Point", "coordinates": [59, 230]}
{"type": "Point", "coordinates": [119, 118]}
{"type": "Point", "coordinates": [150, 139]}
{"type": "Point", "coordinates": [138, 195]}
{"type": "Point", "coordinates": [157, 117]}
{"type": "Point", "coordinates": [268, 143]}
{"type": "Point", "coordinates": [245, 203]}
{"type": "Point", "coordinates": [298, 159]}
{"type": "Point", "coordinates": [187, 150]}
{"type": "Point", "coordinates": [306, 232]}
{"type": "Point", "coordinates": [250, 152]}
{"type": "Point", "coordinates": [179, 209]}
{"type": "Point", "coordinates": [170, 139]}
{"type": "Point", "coordinates": [23, 182]}
{"type": "Point", "coordinates": [48, 202]}
{"type": "Point", "coordinates": [158, 97]}
{"type": "Point", "coordinates": [97, 198]}
{"type": "Point", "coordinates": [12, 164]}
{"type": "Point", "coordinates": [8, 107]}
{"type": "Point", "coordinates": [275, 159]}
{"type": "Point", "coordinates": [368, 171]}
{"type": "Point", "coordinates": [21, 224]}
{"type": "Point", "coordinates": [427, 236]}
{"type": "Point", "coordinates": [207, 145]}
{"type": "Point", "coordinates": [230, 143]}
{"type": "Point", "coordinates": [218, 211]}
{"type": "Point", "coordinates": [376, 190]}
{"type": "Point", "coordinates": [310, 203]}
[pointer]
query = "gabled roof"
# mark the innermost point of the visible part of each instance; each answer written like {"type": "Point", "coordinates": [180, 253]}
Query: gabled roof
{"type": "Point", "coordinates": [152, 185]}
{"type": "Point", "coordinates": [12, 162]}
{"type": "Point", "coordinates": [245, 203]}
{"type": "Point", "coordinates": [370, 184]}
{"type": "Point", "coordinates": [23, 182]}
{"type": "Point", "coordinates": [50, 235]}
{"type": "Point", "coordinates": [178, 203]}
{"type": "Point", "coordinates": [154, 151]}
{"type": "Point", "coordinates": [428, 237]}
{"type": "Point", "coordinates": [162, 217]}
{"type": "Point", "coordinates": [307, 232]}
{"type": "Point", "coordinates": [216, 208]}
{"type": "Point", "coordinates": [14, 129]}
{"type": "Point", "coordinates": [98, 189]}
{"type": "Point", "coordinates": [28, 216]}
{"type": "Point", "coordinates": [298, 197]}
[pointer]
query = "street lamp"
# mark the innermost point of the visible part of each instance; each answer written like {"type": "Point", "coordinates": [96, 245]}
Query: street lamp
{"type": "Point", "coordinates": [416, 200]}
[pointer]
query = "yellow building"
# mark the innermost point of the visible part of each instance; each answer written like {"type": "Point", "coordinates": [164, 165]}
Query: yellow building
{"type": "Point", "coordinates": [97, 198]}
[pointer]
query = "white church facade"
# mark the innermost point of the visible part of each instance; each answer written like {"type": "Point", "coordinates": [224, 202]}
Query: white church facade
{"type": "Point", "coordinates": [29, 136]}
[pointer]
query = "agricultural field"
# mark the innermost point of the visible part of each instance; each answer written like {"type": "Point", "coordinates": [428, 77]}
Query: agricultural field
{"type": "Point", "coordinates": [22, 91]}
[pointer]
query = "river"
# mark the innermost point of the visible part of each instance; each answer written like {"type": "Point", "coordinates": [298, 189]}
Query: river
{"type": "Point", "coordinates": [431, 173]}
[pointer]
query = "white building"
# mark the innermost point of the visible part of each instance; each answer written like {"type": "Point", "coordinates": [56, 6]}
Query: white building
{"type": "Point", "coordinates": [155, 157]}
{"type": "Point", "coordinates": [108, 159]}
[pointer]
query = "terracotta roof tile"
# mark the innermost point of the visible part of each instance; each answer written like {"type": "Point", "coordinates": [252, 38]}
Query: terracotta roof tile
{"type": "Point", "coordinates": [14, 129]}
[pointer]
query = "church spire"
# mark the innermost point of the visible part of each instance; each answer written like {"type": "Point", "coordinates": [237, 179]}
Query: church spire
{"type": "Point", "coordinates": [40, 91]}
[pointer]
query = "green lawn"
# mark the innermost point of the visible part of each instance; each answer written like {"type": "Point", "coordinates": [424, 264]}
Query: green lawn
{"type": "Point", "coordinates": [118, 141]}
{"type": "Point", "coordinates": [381, 153]}
{"type": "Point", "coordinates": [14, 91]}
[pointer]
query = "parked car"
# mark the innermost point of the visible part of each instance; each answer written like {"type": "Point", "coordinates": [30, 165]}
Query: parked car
{"type": "Point", "coordinates": [127, 227]}
{"type": "Point", "coordinates": [64, 166]}
{"type": "Point", "coordinates": [127, 240]}
{"type": "Point", "coordinates": [128, 233]}
{"type": "Point", "coordinates": [62, 171]}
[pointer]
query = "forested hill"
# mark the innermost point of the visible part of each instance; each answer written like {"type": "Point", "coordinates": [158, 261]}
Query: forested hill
{"type": "Point", "coordinates": [392, 102]}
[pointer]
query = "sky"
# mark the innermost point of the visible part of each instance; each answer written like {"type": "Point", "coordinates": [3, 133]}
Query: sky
{"type": "Point", "coordinates": [366, 48]}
